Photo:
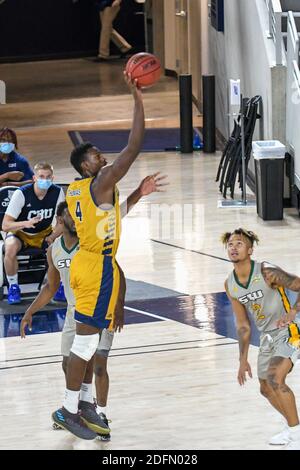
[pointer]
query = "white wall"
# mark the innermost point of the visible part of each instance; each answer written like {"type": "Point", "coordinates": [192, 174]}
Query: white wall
{"type": "Point", "coordinates": [169, 34]}
{"type": "Point", "coordinates": [205, 53]}
{"type": "Point", "coordinates": [243, 51]}
{"type": "Point", "coordinates": [197, 40]}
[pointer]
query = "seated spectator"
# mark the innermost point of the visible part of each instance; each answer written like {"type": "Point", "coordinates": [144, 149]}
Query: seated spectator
{"type": "Point", "coordinates": [28, 220]}
{"type": "Point", "coordinates": [14, 169]}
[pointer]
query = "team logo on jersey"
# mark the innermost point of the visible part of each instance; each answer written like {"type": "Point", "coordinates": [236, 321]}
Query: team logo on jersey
{"type": "Point", "coordinates": [251, 297]}
{"type": "Point", "coordinates": [64, 263]}
{"type": "Point", "coordinates": [42, 213]}
{"type": "Point", "coordinates": [6, 201]}
{"type": "Point", "coordinates": [74, 192]}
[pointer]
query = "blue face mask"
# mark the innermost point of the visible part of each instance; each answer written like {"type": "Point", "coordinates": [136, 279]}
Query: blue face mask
{"type": "Point", "coordinates": [44, 184]}
{"type": "Point", "coordinates": [6, 147]}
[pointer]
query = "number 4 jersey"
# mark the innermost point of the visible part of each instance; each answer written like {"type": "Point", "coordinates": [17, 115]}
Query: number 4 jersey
{"type": "Point", "coordinates": [94, 273]}
{"type": "Point", "coordinates": [98, 228]}
{"type": "Point", "coordinates": [266, 305]}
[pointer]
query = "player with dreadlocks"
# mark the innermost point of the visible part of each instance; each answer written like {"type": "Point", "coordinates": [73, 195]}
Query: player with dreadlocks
{"type": "Point", "coordinates": [259, 290]}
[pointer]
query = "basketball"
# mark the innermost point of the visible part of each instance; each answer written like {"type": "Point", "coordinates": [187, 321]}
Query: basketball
{"type": "Point", "coordinates": [145, 68]}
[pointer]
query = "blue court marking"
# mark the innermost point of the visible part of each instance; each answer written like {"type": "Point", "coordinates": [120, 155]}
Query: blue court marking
{"type": "Point", "coordinates": [210, 312]}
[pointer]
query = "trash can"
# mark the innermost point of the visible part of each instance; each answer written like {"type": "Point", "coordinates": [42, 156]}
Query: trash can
{"type": "Point", "coordinates": [269, 171]}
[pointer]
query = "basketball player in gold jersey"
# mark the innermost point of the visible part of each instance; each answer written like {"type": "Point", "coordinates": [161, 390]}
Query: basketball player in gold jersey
{"type": "Point", "coordinates": [93, 203]}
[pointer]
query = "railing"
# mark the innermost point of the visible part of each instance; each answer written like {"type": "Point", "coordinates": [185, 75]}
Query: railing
{"type": "Point", "coordinates": [293, 93]}
{"type": "Point", "coordinates": [275, 27]}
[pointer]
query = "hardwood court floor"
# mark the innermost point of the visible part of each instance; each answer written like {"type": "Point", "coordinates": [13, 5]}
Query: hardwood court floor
{"type": "Point", "coordinates": [162, 395]}
{"type": "Point", "coordinates": [176, 398]}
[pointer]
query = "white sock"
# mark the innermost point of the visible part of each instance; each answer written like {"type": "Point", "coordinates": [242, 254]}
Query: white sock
{"type": "Point", "coordinates": [86, 393]}
{"type": "Point", "coordinates": [101, 409]}
{"type": "Point", "coordinates": [71, 401]}
{"type": "Point", "coordinates": [295, 429]}
{"type": "Point", "coordinates": [12, 279]}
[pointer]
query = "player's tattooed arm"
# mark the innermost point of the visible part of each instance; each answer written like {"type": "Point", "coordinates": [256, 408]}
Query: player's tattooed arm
{"type": "Point", "coordinates": [276, 277]}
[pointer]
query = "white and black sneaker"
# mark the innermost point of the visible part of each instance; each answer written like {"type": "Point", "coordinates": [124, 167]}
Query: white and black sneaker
{"type": "Point", "coordinates": [104, 437]}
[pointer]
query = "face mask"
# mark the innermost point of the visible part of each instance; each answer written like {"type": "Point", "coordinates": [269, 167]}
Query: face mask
{"type": "Point", "coordinates": [6, 147]}
{"type": "Point", "coordinates": [44, 184]}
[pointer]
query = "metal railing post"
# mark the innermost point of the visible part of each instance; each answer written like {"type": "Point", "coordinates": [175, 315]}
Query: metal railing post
{"type": "Point", "coordinates": [269, 2]}
{"type": "Point", "coordinates": [278, 38]}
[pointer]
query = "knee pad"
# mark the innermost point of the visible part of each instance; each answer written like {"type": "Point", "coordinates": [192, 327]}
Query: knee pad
{"type": "Point", "coordinates": [84, 346]}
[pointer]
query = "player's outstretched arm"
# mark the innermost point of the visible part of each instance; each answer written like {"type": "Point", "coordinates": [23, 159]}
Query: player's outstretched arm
{"type": "Point", "coordinates": [111, 174]}
{"type": "Point", "coordinates": [150, 184]}
{"type": "Point", "coordinates": [46, 294]}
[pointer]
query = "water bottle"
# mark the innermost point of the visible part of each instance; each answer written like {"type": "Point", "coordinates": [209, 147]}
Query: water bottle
{"type": "Point", "coordinates": [197, 144]}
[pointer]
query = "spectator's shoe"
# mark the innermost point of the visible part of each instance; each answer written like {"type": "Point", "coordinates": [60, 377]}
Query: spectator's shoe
{"type": "Point", "coordinates": [14, 294]}
{"type": "Point", "coordinates": [108, 58]}
{"type": "Point", "coordinates": [103, 437]}
{"type": "Point", "coordinates": [89, 415]}
{"type": "Point", "coordinates": [126, 51]}
{"type": "Point", "coordinates": [60, 294]}
{"type": "Point", "coordinates": [73, 423]}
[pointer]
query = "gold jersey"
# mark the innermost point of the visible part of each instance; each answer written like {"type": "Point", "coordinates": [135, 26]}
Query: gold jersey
{"type": "Point", "coordinates": [98, 228]}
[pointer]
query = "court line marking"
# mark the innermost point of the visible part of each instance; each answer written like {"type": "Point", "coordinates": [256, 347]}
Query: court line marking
{"type": "Point", "coordinates": [192, 251]}
{"type": "Point", "coordinates": [78, 137]}
{"type": "Point", "coordinates": [127, 354]}
{"type": "Point", "coordinates": [121, 349]}
{"type": "Point", "coordinates": [153, 315]}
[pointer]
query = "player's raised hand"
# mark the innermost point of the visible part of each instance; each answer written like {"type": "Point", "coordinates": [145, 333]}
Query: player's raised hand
{"type": "Point", "coordinates": [153, 183]}
{"type": "Point", "coordinates": [26, 322]}
{"type": "Point", "coordinates": [132, 85]}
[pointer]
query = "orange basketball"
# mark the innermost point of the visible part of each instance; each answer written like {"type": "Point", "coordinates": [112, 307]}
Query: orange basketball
{"type": "Point", "coordinates": [145, 68]}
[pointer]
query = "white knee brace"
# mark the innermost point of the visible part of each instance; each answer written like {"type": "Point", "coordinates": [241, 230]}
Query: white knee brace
{"type": "Point", "coordinates": [84, 346]}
